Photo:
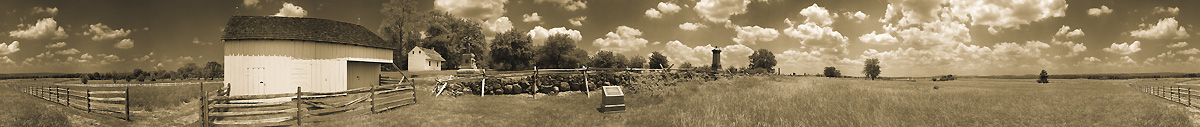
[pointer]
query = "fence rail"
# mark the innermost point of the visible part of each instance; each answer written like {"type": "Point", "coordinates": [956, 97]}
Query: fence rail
{"type": "Point", "coordinates": [1178, 94]}
{"type": "Point", "coordinates": [113, 103]}
{"type": "Point", "coordinates": [305, 107]}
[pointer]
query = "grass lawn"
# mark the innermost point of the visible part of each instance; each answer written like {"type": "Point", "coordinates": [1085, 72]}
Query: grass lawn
{"type": "Point", "coordinates": [151, 105]}
{"type": "Point", "coordinates": [742, 101]}
{"type": "Point", "coordinates": [811, 101]}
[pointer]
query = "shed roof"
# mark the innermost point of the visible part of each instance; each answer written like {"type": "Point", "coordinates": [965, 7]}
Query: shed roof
{"type": "Point", "coordinates": [433, 55]}
{"type": "Point", "coordinates": [297, 28]}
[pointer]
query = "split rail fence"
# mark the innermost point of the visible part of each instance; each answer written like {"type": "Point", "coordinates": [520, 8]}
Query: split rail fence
{"type": "Point", "coordinates": [1178, 94]}
{"type": "Point", "coordinates": [107, 102]}
{"type": "Point", "coordinates": [300, 108]}
{"type": "Point", "coordinates": [585, 71]}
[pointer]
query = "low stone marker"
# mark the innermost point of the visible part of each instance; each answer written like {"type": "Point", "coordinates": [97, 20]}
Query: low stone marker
{"type": "Point", "coordinates": [614, 100]}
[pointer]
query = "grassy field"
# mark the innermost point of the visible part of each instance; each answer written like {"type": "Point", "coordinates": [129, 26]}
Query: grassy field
{"type": "Point", "coordinates": [742, 101]}
{"type": "Point", "coordinates": [151, 106]}
{"type": "Point", "coordinates": [812, 101]}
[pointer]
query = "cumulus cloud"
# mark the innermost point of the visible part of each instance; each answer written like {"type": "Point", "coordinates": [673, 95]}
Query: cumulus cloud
{"type": "Point", "coordinates": [1166, 28]}
{"type": "Point", "coordinates": [144, 58]}
{"type": "Point", "coordinates": [56, 45]}
{"type": "Point", "coordinates": [1124, 48]}
{"type": "Point", "coordinates": [817, 36]}
{"type": "Point", "coordinates": [198, 42]}
{"type": "Point", "coordinates": [250, 3]}
{"type": "Point", "coordinates": [577, 21]}
{"type": "Point", "coordinates": [939, 33]}
{"type": "Point", "coordinates": [290, 10]}
{"type": "Point", "coordinates": [720, 10]}
{"type": "Point", "coordinates": [52, 11]}
{"type": "Point", "coordinates": [124, 44]}
{"type": "Point", "coordinates": [1192, 51]}
{"type": "Point", "coordinates": [753, 34]}
{"type": "Point", "coordinates": [99, 32]}
{"type": "Point", "coordinates": [474, 9]}
{"type": "Point", "coordinates": [731, 55]}
{"type": "Point", "coordinates": [538, 34]}
{"type": "Point", "coordinates": [1099, 11]}
{"type": "Point", "coordinates": [9, 48]}
{"type": "Point", "coordinates": [501, 24]}
{"type": "Point", "coordinates": [663, 8]}
{"type": "Point", "coordinates": [492, 27]}
{"type": "Point", "coordinates": [993, 14]}
{"type": "Point", "coordinates": [71, 51]}
{"type": "Point", "coordinates": [531, 18]}
{"type": "Point", "coordinates": [817, 14]}
{"type": "Point", "coordinates": [652, 13]}
{"type": "Point", "coordinates": [1167, 10]}
{"type": "Point", "coordinates": [880, 38]}
{"type": "Point", "coordinates": [45, 28]}
{"type": "Point", "coordinates": [624, 39]}
{"type": "Point", "coordinates": [1010, 14]}
{"type": "Point", "coordinates": [570, 5]}
{"type": "Point", "coordinates": [691, 26]}
{"type": "Point", "coordinates": [1178, 45]}
{"type": "Point", "coordinates": [1075, 48]}
{"type": "Point", "coordinates": [1066, 32]}
{"type": "Point", "coordinates": [857, 16]}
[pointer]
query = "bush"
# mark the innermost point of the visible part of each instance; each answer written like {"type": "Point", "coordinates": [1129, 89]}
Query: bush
{"type": "Point", "coordinates": [84, 79]}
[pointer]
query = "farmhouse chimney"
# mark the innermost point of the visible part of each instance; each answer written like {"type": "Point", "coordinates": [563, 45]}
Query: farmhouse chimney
{"type": "Point", "coordinates": [716, 60]}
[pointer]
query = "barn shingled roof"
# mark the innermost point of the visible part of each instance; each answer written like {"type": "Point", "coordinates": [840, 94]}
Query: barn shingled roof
{"type": "Point", "coordinates": [296, 28]}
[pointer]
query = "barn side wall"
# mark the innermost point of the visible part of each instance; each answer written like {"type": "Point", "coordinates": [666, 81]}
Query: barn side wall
{"type": "Point", "coordinates": [283, 65]}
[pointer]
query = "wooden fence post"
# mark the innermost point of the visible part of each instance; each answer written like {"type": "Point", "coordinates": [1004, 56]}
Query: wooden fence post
{"type": "Point", "coordinates": [89, 100]}
{"type": "Point", "coordinates": [68, 104]}
{"type": "Point", "coordinates": [203, 106]}
{"type": "Point", "coordinates": [535, 86]}
{"type": "Point", "coordinates": [298, 102]}
{"type": "Point", "coordinates": [482, 86]}
{"type": "Point", "coordinates": [372, 91]}
{"type": "Point", "coordinates": [586, 82]}
{"type": "Point", "coordinates": [128, 115]}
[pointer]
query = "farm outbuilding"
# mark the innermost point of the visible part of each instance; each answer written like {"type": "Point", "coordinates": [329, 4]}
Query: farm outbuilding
{"type": "Point", "coordinates": [423, 59]}
{"type": "Point", "coordinates": [269, 55]}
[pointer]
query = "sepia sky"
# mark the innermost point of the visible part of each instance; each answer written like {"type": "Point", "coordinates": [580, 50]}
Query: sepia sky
{"type": "Point", "coordinates": [910, 37]}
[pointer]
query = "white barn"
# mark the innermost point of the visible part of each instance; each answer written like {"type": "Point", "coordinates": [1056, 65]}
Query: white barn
{"type": "Point", "coordinates": [423, 59]}
{"type": "Point", "coordinates": [269, 55]}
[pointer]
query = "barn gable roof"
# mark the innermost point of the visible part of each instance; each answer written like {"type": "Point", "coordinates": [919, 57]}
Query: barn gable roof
{"type": "Point", "coordinates": [433, 55]}
{"type": "Point", "coordinates": [297, 28]}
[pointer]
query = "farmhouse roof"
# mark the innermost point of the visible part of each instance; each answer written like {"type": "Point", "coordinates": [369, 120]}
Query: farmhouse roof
{"type": "Point", "coordinates": [433, 55]}
{"type": "Point", "coordinates": [297, 28]}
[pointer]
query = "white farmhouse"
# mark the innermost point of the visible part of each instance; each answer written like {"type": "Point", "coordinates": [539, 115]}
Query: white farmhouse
{"type": "Point", "coordinates": [422, 59]}
{"type": "Point", "coordinates": [269, 55]}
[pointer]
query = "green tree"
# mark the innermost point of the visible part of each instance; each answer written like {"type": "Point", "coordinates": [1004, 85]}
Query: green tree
{"type": "Point", "coordinates": [1043, 77]}
{"type": "Point", "coordinates": [560, 52]}
{"type": "Point", "coordinates": [452, 37]}
{"type": "Point", "coordinates": [512, 50]}
{"type": "Point", "coordinates": [871, 68]}
{"type": "Point", "coordinates": [686, 65]}
{"type": "Point", "coordinates": [606, 59]}
{"type": "Point", "coordinates": [397, 28]}
{"type": "Point", "coordinates": [84, 79]}
{"type": "Point", "coordinates": [832, 72]}
{"type": "Point", "coordinates": [762, 59]}
{"type": "Point", "coordinates": [188, 70]}
{"type": "Point", "coordinates": [658, 61]}
{"type": "Point", "coordinates": [213, 70]}
{"type": "Point", "coordinates": [138, 72]}
{"type": "Point", "coordinates": [636, 61]}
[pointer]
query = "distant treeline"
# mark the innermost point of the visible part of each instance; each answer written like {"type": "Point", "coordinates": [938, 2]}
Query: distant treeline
{"type": "Point", "coordinates": [1099, 76]}
{"type": "Point", "coordinates": [189, 71]}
